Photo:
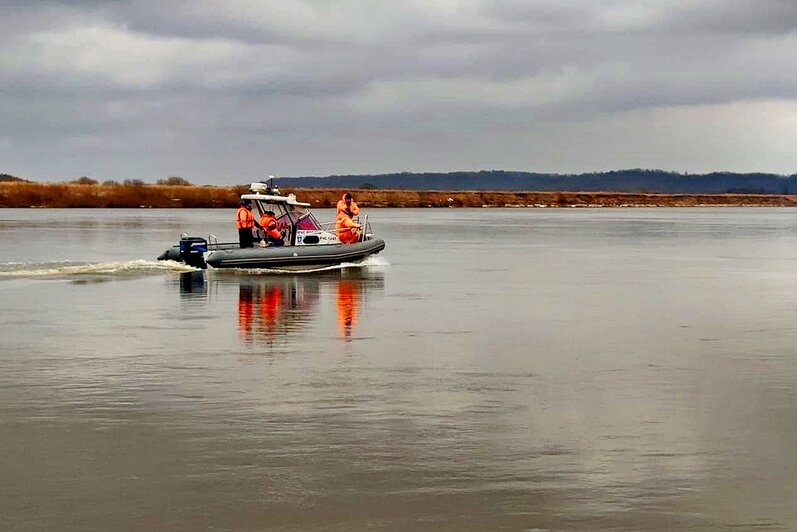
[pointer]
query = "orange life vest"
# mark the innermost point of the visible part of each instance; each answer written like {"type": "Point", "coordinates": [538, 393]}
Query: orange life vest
{"type": "Point", "coordinates": [244, 219]}
{"type": "Point", "coordinates": [269, 225]}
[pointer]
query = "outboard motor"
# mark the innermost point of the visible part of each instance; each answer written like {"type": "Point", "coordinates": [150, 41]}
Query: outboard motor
{"type": "Point", "coordinates": [192, 249]}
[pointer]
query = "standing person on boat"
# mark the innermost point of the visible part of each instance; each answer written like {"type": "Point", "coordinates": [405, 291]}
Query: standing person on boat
{"type": "Point", "coordinates": [268, 223]}
{"type": "Point", "coordinates": [346, 204]}
{"type": "Point", "coordinates": [245, 222]}
{"type": "Point", "coordinates": [345, 226]}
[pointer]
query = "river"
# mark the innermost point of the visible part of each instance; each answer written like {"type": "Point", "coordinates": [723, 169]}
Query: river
{"type": "Point", "coordinates": [516, 369]}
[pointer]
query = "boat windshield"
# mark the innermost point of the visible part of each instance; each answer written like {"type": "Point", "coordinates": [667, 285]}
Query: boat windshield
{"type": "Point", "coordinates": [288, 215]}
{"type": "Point", "coordinates": [302, 217]}
{"type": "Point", "coordinates": [277, 208]}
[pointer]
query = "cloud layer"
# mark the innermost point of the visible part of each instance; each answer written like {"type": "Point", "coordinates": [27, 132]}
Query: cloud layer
{"type": "Point", "coordinates": [226, 92]}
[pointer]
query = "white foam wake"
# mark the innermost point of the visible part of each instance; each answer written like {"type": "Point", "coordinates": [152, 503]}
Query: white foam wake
{"type": "Point", "coordinates": [68, 269]}
{"type": "Point", "coordinates": [373, 260]}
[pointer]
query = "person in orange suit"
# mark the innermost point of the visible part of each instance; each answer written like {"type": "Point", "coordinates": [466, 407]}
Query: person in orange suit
{"type": "Point", "coordinates": [346, 227]}
{"type": "Point", "coordinates": [268, 223]}
{"type": "Point", "coordinates": [348, 230]}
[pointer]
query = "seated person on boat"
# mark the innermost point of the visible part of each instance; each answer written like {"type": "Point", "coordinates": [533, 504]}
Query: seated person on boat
{"type": "Point", "coordinates": [268, 224]}
{"type": "Point", "coordinates": [348, 230]}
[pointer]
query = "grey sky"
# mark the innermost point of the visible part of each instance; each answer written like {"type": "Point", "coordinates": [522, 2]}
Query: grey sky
{"type": "Point", "coordinates": [224, 92]}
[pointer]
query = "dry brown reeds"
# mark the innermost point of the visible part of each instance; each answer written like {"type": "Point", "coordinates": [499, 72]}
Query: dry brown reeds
{"type": "Point", "coordinates": [421, 198]}
{"type": "Point", "coordinates": [74, 195]}
{"type": "Point", "coordinates": [27, 194]}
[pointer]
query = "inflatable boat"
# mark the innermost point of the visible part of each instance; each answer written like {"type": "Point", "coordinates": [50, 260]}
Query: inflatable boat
{"type": "Point", "coordinates": [308, 244]}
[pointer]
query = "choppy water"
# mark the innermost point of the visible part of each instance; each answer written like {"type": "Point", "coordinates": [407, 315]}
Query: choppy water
{"type": "Point", "coordinates": [492, 369]}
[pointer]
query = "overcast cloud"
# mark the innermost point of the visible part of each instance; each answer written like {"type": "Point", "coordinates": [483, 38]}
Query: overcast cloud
{"type": "Point", "coordinates": [224, 92]}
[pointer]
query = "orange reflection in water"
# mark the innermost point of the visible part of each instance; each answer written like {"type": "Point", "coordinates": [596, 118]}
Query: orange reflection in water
{"type": "Point", "coordinates": [272, 307]}
{"type": "Point", "coordinates": [348, 303]}
{"type": "Point", "coordinates": [246, 311]}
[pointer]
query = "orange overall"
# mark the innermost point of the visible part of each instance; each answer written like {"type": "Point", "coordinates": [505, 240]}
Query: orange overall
{"type": "Point", "coordinates": [344, 225]}
{"type": "Point", "coordinates": [347, 229]}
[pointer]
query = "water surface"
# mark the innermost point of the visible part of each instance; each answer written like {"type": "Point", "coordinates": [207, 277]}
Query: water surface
{"type": "Point", "coordinates": [492, 369]}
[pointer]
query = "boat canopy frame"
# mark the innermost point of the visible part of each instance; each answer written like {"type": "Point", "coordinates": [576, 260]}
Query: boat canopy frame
{"type": "Point", "coordinates": [291, 215]}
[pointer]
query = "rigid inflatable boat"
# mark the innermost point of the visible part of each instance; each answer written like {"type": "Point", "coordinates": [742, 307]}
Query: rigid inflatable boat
{"type": "Point", "coordinates": [309, 244]}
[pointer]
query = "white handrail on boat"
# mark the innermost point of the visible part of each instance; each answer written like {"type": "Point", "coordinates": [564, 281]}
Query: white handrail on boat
{"type": "Point", "coordinates": [330, 226]}
{"type": "Point", "coordinates": [364, 229]}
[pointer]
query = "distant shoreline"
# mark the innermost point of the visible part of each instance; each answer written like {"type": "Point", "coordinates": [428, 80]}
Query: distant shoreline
{"type": "Point", "coordinates": [62, 195]}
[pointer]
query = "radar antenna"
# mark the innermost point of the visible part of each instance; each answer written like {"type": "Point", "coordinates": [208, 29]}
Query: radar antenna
{"type": "Point", "coordinates": [271, 188]}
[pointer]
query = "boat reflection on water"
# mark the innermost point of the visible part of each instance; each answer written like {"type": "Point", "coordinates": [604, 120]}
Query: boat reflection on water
{"type": "Point", "coordinates": [348, 300]}
{"type": "Point", "coordinates": [192, 285]}
{"type": "Point", "coordinates": [276, 306]}
{"type": "Point", "coordinates": [269, 307]}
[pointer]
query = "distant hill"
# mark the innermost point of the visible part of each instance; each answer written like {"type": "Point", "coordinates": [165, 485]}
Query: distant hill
{"type": "Point", "coordinates": [636, 180]}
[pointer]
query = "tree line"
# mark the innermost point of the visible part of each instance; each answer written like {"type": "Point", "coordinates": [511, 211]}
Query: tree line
{"type": "Point", "coordinates": [630, 181]}
{"type": "Point", "coordinates": [633, 180]}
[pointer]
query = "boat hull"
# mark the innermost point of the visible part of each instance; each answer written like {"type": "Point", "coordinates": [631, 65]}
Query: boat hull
{"type": "Point", "coordinates": [288, 257]}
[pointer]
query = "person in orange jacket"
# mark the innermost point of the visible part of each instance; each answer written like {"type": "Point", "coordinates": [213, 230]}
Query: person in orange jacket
{"type": "Point", "coordinates": [348, 230]}
{"type": "Point", "coordinates": [245, 222]}
{"type": "Point", "coordinates": [268, 223]}
{"type": "Point", "coordinates": [346, 227]}
{"type": "Point", "coordinates": [346, 204]}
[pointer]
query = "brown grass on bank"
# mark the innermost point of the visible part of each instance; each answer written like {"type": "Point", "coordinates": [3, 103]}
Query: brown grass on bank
{"type": "Point", "coordinates": [26, 194]}
{"type": "Point", "coordinates": [421, 198]}
{"type": "Point", "coordinates": [76, 195]}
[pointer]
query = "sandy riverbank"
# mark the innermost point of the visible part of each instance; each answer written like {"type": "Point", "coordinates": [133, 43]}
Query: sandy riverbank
{"type": "Point", "coordinates": [159, 196]}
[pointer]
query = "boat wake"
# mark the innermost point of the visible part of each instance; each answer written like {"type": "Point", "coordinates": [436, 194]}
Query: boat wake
{"type": "Point", "coordinates": [70, 270]}
{"type": "Point", "coordinates": [370, 261]}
